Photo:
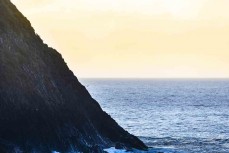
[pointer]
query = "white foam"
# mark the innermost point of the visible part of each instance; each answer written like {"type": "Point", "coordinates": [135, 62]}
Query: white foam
{"type": "Point", "coordinates": [154, 150]}
{"type": "Point", "coordinates": [113, 150]}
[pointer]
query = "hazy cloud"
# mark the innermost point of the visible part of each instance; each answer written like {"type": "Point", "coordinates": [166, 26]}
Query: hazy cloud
{"type": "Point", "coordinates": [162, 35]}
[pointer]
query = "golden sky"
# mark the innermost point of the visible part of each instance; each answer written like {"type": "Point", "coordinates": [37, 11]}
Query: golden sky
{"type": "Point", "coordinates": [136, 38]}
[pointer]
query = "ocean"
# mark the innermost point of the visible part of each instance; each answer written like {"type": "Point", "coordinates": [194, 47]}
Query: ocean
{"type": "Point", "coordinates": [181, 115]}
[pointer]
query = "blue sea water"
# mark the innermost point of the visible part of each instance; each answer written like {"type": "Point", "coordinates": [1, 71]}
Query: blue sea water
{"type": "Point", "coordinates": [185, 115]}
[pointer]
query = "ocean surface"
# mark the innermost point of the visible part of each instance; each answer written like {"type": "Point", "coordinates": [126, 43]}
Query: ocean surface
{"type": "Point", "coordinates": [181, 115]}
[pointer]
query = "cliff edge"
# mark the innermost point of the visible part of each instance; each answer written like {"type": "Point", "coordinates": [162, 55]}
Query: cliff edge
{"type": "Point", "coordinates": [43, 107]}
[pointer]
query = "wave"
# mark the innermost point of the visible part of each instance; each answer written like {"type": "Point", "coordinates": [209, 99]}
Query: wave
{"type": "Point", "coordinates": [151, 150]}
{"type": "Point", "coordinates": [189, 144]}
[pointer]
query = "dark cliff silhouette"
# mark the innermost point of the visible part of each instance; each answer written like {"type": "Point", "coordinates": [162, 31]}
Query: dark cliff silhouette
{"type": "Point", "coordinates": [43, 107]}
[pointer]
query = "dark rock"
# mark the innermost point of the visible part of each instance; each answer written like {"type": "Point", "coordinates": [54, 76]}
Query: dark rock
{"type": "Point", "coordinates": [97, 149]}
{"type": "Point", "coordinates": [120, 146]}
{"type": "Point", "coordinates": [43, 106]}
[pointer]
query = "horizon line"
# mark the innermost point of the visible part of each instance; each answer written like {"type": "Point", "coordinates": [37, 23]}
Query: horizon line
{"type": "Point", "coordinates": [203, 78]}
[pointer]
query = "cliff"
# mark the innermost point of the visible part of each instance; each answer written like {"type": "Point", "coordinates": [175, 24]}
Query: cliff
{"type": "Point", "coordinates": [43, 107]}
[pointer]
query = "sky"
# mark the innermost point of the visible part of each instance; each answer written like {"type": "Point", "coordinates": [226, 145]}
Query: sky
{"type": "Point", "coordinates": [135, 38]}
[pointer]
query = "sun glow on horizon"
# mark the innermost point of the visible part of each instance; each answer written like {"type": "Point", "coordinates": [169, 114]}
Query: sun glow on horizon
{"type": "Point", "coordinates": [136, 38]}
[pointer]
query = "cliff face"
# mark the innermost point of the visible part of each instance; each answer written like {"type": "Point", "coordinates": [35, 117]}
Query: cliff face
{"type": "Point", "coordinates": [43, 107]}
